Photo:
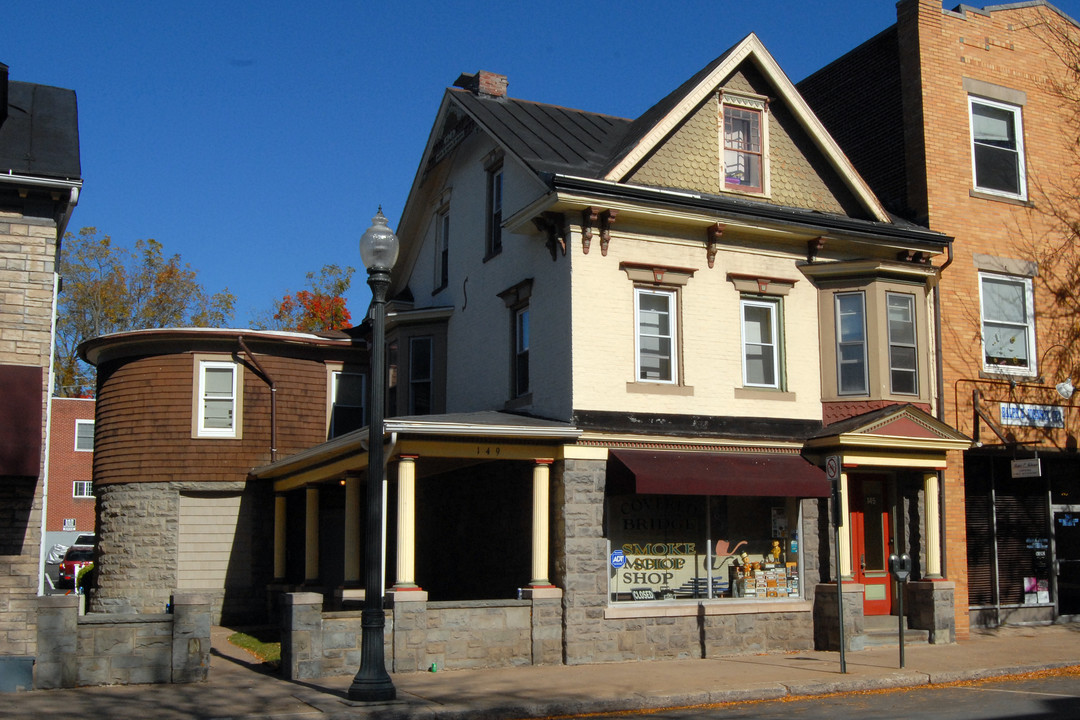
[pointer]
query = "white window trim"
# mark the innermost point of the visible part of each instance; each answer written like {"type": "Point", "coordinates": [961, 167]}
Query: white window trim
{"type": "Point", "coordinates": [75, 486]}
{"type": "Point", "coordinates": [774, 311]}
{"type": "Point", "coordinates": [1032, 369]}
{"type": "Point", "coordinates": [759, 103]}
{"type": "Point", "coordinates": [673, 335]}
{"type": "Point", "coordinates": [865, 349]}
{"type": "Point", "coordinates": [201, 430]}
{"type": "Point", "coordinates": [1017, 114]}
{"type": "Point", "coordinates": [79, 423]}
{"type": "Point", "coordinates": [914, 345]}
{"type": "Point", "coordinates": [334, 375]}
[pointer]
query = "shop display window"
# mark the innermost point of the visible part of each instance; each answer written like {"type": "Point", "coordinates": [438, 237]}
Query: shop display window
{"type": "Point", "coordinates": [672, 547]}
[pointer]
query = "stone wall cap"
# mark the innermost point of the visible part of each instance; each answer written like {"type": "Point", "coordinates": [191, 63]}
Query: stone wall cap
{"type": "Point", "coordinates": [58, 601]}
{"type": "Point", "coordinates": [190, 599]}
{"type": "Point", "coordinates": [303, 598]}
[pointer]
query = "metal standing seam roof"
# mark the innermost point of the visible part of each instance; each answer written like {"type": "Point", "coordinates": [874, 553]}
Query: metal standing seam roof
{"type": "Point", "coordinates": [40, 136]}
{"type": "Point", "coordinates": [549, 138]}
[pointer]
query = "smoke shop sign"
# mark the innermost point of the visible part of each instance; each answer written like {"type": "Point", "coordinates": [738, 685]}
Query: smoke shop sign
{"type": "Point", "coordinates": [1024, 415]}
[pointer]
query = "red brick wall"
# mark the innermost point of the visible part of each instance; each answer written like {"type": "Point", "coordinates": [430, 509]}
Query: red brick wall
{"type": "Point", "coordinates": [66, 465]}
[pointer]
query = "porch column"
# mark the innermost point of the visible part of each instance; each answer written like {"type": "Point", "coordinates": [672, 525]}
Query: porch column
{"type": "Point", "coordinates": [406, 522]}
{"type": "Point", "coordinates": [279, 537]}
{"type": "Point", "coordinates": [541, 511]}
{"type": "Point", "coordinates": [845, 570]}
{"type": "Point", "coordinates": [311, 535]}
{"type": "Point", "coordinates": [352, 529]}
{"type": "Point", "coordinates": [932, 522]}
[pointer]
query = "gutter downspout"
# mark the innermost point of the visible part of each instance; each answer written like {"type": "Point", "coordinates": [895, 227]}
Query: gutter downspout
{"type": "Point", "coordinates": [273, 397]}
{"type": "Point", "coordinates": [941, 406]}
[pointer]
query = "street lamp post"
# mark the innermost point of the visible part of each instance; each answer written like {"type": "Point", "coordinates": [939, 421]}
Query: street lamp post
{"type": "Point", "coordinates": [378, 251]}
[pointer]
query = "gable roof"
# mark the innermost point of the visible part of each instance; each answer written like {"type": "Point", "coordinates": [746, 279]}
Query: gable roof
{"type": "Point", "coordinates": [906, 424]}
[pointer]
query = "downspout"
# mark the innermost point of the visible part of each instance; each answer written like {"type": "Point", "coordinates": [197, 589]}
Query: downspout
{"type": "Point", "coordinates": [273, 396]}
{"type": "Point", "coordinates": [941, 406]}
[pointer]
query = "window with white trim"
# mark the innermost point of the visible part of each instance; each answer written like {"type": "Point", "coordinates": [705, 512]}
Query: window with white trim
{"type": "Point", "coordinates": [655, 338]}
{"type": "Point", "coordinates": [761, 342]}
{"type": "Point", "coordinates": [84, 435]}
{"type": "Point", "coordinates": [217, 395]}
{"type": "Point", "coordinates": [521, 351]}
{"type": "Point", "coordinates": [347, 402]}
{"type": "Point", "coordinates": [903, 353]}
{"type": "Point", "coordinates": [744, 143]}
{"type": "Point", "coordinates": [1008, 323]}
{"type": "Point", "coordinates": [851, 363]}
{"type": "Point", "coordinates": [420, 375]}
{"type": "Point", "coordinates": [82, 489]}
{"type": "Point", "coordinates": [997, 148]}
{"type": "Point", "coordinates": [442, 248]}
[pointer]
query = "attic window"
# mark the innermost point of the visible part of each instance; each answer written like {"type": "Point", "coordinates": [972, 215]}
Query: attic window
{"type": "Point", "coordinates": [744, 166]}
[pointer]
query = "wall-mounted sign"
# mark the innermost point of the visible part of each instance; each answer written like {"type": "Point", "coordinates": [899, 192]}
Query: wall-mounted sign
{"type": "Point", "coordinates": [1027, 468]}
{"type": "Point", "coordinates": [1025, 415]}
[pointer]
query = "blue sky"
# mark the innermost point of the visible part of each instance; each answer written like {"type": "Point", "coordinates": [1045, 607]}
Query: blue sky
{"type": "Point", "coordinates": [257, 139]}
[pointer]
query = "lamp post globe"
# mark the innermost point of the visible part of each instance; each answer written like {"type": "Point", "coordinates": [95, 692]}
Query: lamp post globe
{"type": "Point", "coordinates": [372, 683]}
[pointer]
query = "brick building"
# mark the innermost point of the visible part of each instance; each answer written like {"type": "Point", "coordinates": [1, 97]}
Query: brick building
{"type": "Point", "coordinates": [957, 128]}
{"type": "Point", "coordinates": [39, 187]}
{"type": "Point", "coordinates": [70, 497]}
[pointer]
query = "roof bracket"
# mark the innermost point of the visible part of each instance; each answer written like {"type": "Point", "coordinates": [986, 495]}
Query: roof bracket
{"type": "Point", "coordinates": [589, 217]}
{"type": "Point", "coordinates": [607, 219]}
{"type": "Point", "coordinates": [715, 232]}
{"type": "Point", "coordinates": [554, 224]}
{"type": "Point", "coordinates": [813, 247]}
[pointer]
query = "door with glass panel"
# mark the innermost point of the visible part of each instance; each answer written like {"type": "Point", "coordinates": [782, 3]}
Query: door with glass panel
{"type": "Point", "coordinates": [870, 541]}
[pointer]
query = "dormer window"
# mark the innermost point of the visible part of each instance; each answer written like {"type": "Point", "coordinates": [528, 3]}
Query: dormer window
{"type": "Point", "coordinates": [743, 164]}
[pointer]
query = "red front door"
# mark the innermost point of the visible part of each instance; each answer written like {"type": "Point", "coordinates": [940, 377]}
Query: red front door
{"type": "Point", "coordinates": [870, 542]}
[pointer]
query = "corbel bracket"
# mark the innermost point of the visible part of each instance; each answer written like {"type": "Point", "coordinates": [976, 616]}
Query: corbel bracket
{"type": "Point", "coordinates": [712, 242]}
{"type": "Point", "coordinates": [554, 224]}
{"type": "Point", "coordinates": [813, 247]}
{"type": "Point", "coordinates": [589, 217]}
{"type": "Point", "coordinates": [913, 256]}
{"type": "Point", "coordinates": [607, 219]}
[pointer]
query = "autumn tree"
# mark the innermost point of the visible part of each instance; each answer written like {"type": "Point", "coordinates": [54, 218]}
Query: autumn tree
{"type": "Point", "coordinates": [109, 288]}
{"type": "Point", "coordinates": [318, 308]}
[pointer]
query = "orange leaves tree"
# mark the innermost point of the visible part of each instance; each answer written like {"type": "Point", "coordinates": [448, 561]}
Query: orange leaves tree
{"type": "Point", "coordinates": [320, 307]}
{"type": "Point", "coordinates": [109, 288]}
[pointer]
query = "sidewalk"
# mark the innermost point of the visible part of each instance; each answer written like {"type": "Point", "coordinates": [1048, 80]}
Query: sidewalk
{"type": "Point", "coordinates": [237, 689]}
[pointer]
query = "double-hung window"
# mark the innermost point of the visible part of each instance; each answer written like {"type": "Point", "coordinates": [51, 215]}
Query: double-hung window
{"type": "Point", "coordinates": [744, 143]}
{"type": "Point", "coordinates": [84, 435]}
{"type": "Point", "coordinates": [997, 152]}
{"type": "Point", "coordinates": [420, 376]}
{"type": "Point", "coordinates": [494, 207]}
{"type": "Point", "coordinates": [761, 343]}
{"type": "Point", "coordinates": [656, 346]}
{"type": "Point", "coordinates": [82, 489]}
{"type": "Point", "coordinates": [521, 351]}
{"type": "Point", "coordinates": [442, 249]}
{"type": "Point", "coordinates": [1008, 323]}
{"type": "Point", "coordinates": [217, 399]}
{"type": "Point", "coordinates": [851, 365]}
{"type": "Point", "coordinates": [348, 407]}
{"type": "Point", "coordinates": [903, 355]}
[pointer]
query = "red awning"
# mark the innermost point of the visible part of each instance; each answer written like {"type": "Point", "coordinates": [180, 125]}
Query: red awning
{"type": "Point", "coordinates": [699, 473]}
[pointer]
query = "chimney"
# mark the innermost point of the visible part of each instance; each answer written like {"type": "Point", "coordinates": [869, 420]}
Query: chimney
{"type": "Point", "coordinates": [3, 92]}
{"type": "Point", "coordinates": [483, 84]}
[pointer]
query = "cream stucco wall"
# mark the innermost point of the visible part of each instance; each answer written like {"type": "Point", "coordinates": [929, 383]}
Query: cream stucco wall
{"type": "Point", "coordinates": [709, 332]}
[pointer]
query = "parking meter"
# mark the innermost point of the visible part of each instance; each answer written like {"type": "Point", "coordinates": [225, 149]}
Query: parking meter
{"type": "Point", "coordinates": [900, 567]}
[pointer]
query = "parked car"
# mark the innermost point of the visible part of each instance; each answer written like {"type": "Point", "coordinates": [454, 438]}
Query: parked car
{"type": "Point", "coordinates": [85, 540]}
{"type": "Point", "coordinates": [74, 558]}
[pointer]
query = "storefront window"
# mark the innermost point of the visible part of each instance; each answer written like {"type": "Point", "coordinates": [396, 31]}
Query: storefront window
{"type": "Point", "coordinates": [667, 547]}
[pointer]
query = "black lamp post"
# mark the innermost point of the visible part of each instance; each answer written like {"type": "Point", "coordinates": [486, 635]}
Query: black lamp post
{"type": "Point", "coordinates": [378, 252]}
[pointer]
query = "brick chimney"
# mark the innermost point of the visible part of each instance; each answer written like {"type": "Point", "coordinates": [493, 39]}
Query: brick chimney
{"type": "Point", "coordinates": [483, 84]}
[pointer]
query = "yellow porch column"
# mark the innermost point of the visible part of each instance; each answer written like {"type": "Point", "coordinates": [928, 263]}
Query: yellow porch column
{"type": "Point", "coordinates": [279, 537]}
{"type": "Point", "coordinates": [352, 529]}
{"type": "Point", "coordinates": [932, 520]}
{"type": "Point", "coordinates": [406, 522]}
{"type": "Point", "coordinates": [846, 569]}
{"type": "Point", "coordinates": [311, 535]}
{"type": "Point", "coordinates": [541, 482]}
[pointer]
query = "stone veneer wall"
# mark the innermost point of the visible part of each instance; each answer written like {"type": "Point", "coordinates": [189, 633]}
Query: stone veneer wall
{"type": "Point", "coordinates": [27, 264]}
{"type": "Point", "coordinates": [450, 635]}
{"type": "Point", "coordinates": [138, 527]}
{"type": "Point", "coordinates": [581, 558]}
{"type": "Point", "coordinates": [113, 649]}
